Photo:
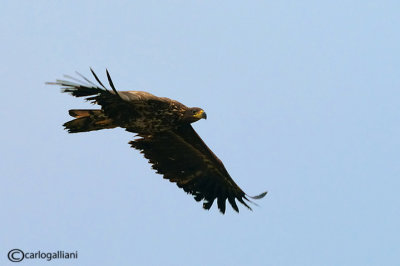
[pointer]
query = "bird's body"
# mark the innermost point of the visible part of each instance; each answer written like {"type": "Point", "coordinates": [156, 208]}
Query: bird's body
{"type": "Point", "coordinates": [166, 138]}
{"type": "Point", "coordinates": [145, 113]}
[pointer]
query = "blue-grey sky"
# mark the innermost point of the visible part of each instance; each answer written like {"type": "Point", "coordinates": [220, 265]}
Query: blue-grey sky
{"type": "Point", "coordinates": [302, 99]}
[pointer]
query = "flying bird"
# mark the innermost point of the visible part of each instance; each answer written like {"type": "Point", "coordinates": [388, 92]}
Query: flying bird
{"type": "Point", "coordinates": [164, 136]}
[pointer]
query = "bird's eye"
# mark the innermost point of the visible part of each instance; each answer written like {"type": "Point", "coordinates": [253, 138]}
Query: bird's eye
{"type": "Point", "coordinates": [194, 112]}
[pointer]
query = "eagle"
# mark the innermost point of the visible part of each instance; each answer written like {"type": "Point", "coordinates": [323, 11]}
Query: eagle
{"type": "Point", "coordinates": [164, 136]}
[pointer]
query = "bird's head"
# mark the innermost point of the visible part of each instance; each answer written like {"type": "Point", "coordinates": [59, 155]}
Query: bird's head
{"type": "Point", "coordinates": [194, 114]}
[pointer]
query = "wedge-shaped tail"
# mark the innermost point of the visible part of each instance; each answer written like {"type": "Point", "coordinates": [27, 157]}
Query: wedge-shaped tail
{"type": "Point", "coordinates": [88, 120]}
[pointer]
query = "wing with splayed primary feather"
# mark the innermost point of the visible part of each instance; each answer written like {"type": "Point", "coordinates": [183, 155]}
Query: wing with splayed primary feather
{"type": "Point", "coordinates": [121, 106]}
{"type": "Point", "coordinates": [182, 157]}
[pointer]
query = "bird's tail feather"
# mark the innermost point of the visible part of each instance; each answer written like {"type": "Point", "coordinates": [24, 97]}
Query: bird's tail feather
{"type": "Point", "coordinates": [88, 120]}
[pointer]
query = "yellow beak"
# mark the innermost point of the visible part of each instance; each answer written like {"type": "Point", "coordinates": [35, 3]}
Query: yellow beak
{"type": "Point", "coordinates": [201, 114]}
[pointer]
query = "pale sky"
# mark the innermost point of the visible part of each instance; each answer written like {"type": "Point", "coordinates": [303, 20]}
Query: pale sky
{"type": "Point", "coordinates": [302, 99]}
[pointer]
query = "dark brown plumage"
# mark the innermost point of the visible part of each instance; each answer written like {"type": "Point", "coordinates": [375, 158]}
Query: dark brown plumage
{"type": "Point", "coordinates": [166, 138]}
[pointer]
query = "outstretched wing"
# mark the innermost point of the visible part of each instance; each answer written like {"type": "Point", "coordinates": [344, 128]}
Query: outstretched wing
{"type": "Point", "coordinates": [121, 106]}
{"type": "Point", "coordinates": [182, 157]}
